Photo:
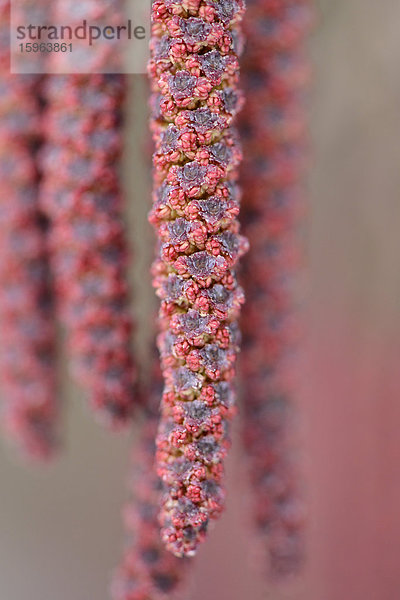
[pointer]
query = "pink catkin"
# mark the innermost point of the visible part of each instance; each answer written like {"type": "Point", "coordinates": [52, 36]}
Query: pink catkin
{"type": "Point", "coordinates": [195, 99]}
{"type": "Point", "coordinates": [83, 199]}
{"type": "Point", "coordinates": [147, 570]}
{"type": "Point", "coordinates": [275, 73]}
{"type": "Point", "coordinates": [27, 369]}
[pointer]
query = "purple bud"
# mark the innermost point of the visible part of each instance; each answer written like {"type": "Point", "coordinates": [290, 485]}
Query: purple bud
{"type": "Point", "coordinates": [211, 488]}
{"type": "Point", "coordinates": [214, 357]}
{"type": "Point", "coordinates": [163, 193]}
{"type": "Point", "coordinates": [192, 175]}
{"type": "Point", "coordinates": [193, 323]}
{"type": "Point", "coordinates": [225, 393]}
{"type": "Point", "coordinates": [182, 85]}
{"type": "Point", "coordinates": [166, 342]}
{"type": "Point", "coordinates": [235, 334]}
{"type": "Point", "coordinates": [203, 119]}
{"type": "Point", "coordinates": [163, 47]}
{"type": "Point", "coordinates": [230, 243]}
{"type": "Point", "coordinates": [234, 192]}
{"type": "Point", "coordinates": [219, 294]}
{"type": "Point", "coordinates": [208, 448]}
{"type": "Point", "coordinates": [230, 98]}
{"type": "Point", "coordinates": [182, 467]}
{"type": "Point", "coordinates": [169, 138]}
{"type": "Point", "coordinates": [194, 29]}
{"type": "Point", "coordinates": [213, 64]}
{"type": "Point", "coordinates": [186, 381]}
{"type": "Point", "coordinates": [237, 42]}
{"type": "Point", "coordinates": [187, 507]}
{"type": "Point", "coordinates": [225, 10]}
{"type": "Point", "coordinates": [174, 288]}
{"type": "Point", "coordinates": [197, 410]}
{"type": "Point", "coordinates": [201, 264]}
{"type": "Point", "coordinates": [178, 230]}
{"type": "Point", "coordinates": [221, 153]}
{"type": "Point", "coordinates": [155, 106]}
{"type": "Point", "coordinates": [212, 209]}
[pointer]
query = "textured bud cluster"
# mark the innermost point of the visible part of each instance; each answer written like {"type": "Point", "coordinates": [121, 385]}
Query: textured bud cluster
{"type": "Point", "coordinates": [29, 407]}
{"type": "Point", "coordinates": [195, 99]}
{"type": "Point", "coordinates": [148, 571]}
{"type": "Point", "coordinates": [275, 72]}
{"type": "Point", "coordinates": [82, 198]}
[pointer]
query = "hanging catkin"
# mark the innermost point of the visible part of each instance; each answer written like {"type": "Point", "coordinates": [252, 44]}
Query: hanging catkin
{"type": "Point", "coordinates": [194, 73]}
{"type": "Point", "coordinates": [275, 71]}
{"type": "Point", "coordinates": [147, 570]}
{"type": "Point", "coordinates": [82, 197]}
{"type": "Point", "coordinates": [29, 407]}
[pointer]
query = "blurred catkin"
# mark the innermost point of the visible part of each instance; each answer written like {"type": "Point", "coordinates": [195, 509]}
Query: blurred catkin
{"type": "Point", "coordinates": [273, 126]}
{"type": "Point", "coordinates": [27, 365]}
{"type": "Point", "coordinates": [82, 197]}
{"type": "Point", "coordinates": [147, 570]}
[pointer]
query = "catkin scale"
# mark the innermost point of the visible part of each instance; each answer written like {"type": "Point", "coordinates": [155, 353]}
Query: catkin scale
{"type": "Point", "coordinates": [195, 100]}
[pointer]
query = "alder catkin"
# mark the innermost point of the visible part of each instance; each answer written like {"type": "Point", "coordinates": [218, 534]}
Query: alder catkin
{"type": "Point", "coordinates": [83, 198]}
{"type": "Point", "coordinates": [147, 570]}
{"type": "Point", "coordinates": [195, 99]}
{"type": "Point", "coordinates": [27, 346]}
{"type": "Point", "coordinates": [273, 127]}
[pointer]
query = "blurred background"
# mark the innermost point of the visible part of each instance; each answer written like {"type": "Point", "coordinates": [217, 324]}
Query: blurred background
{"type": "Point", "coordinates": [60, 528]}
